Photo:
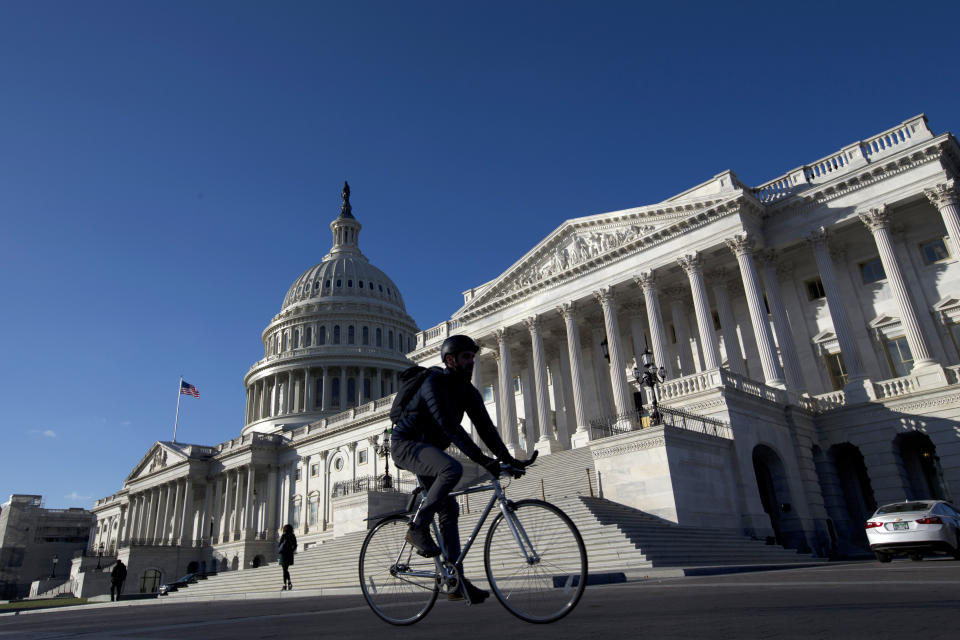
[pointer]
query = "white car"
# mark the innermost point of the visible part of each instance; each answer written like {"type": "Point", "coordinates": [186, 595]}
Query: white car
{"type": "Point", "coordinates": [914, 528]}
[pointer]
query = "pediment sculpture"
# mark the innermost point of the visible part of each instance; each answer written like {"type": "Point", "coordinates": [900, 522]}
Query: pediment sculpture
{"type": "Point", "coordinates": [159, 460]}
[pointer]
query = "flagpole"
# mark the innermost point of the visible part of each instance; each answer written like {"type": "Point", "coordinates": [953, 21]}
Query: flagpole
{"type": "Point", "coordinates": [177, 419]}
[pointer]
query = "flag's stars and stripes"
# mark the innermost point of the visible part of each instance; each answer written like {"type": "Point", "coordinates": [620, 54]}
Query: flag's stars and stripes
{"type": "Point", "coordinates": [187, 389]}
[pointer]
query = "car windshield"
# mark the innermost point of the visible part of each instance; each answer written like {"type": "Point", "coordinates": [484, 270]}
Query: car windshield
{"type": "Point", "coordinates": [903, 507]}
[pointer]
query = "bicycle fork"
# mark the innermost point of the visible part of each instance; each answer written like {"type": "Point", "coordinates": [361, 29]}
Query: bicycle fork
{"type": "Point", "coordinates": [519, 533]}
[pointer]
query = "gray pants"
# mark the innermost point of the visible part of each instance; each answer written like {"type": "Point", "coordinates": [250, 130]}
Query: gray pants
{"type": "Point", "coordinates": [440, 474]}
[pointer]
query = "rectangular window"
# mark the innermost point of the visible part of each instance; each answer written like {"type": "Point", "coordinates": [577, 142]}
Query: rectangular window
{"type": "Point", "coordinates": [872, 271]}
{"type": "Point", "coordinates": [934, 251]}
{"type": "Point", "coordinates": [815, 289]}
{"type": "Point", "coordinates": [488, 393]}
{"type": "Point", "coordinates": [314, 512]}
{"type": "Point", "coordinates": [314, 470]}
{"type": "Point", "coordinates": [362, 457]}
{"type": "Point", "coordinates": [898, 352]}
{"type": "Point", "coordinates": [837, 370]}
{"type": "Point", "coordinates": [297, 475]}
{"type": "Point", "coordinates": [295, 517]}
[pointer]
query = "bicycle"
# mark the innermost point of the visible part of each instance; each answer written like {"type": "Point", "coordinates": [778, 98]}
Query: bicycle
{"type": "Point", "coordinates": [534, 557]}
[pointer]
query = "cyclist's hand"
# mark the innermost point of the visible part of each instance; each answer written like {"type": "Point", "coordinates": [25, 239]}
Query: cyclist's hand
{"type": "Point", "coordinates": [492, 465]}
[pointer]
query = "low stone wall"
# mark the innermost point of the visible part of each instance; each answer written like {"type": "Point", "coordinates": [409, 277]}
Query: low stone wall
{"type": "Point", "coordinates": [350, 512]}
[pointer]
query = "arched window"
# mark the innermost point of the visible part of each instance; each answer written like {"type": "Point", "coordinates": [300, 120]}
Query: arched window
{"type": "Point", "coordinates": [336, 334]}
{"type": "Point", "coordinates": [351, 335]}
{"type": "Point", "coordinates": [365, 335]}
{"type": "Point", "coordinates": [379, 337]}
{"type": "Point", "coordinates": [399, 341]}
{"type": "Point", "coordinates": [296, 338]}
{"type": "Point", "coordinates": [283, 346]}
{"type": "Point", "coordinates": [335, 392]}
{"type": "Point", "coordinates": [322, 338]}
{"type": "Point", "coordinates": [308, 337]}
{"type": "Point", "coordinates": [351, 392]}
{"type": "Point", "coordinates": [366, 388]}
{"type": "Point", "coordinates": [390, 339]}
{"type": "Point", "coordinates": [318, 396]}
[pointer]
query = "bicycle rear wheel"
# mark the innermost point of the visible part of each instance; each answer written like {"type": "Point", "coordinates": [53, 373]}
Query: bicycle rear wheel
{"type": "Point", "coordinates": [399, 585]}
{"type": "Point", "coordinates": [542, 581]}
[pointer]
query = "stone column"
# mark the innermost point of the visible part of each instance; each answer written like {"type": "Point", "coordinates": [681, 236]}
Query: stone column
{"type": "Point", "coordinates": [186, 515]}
{"type": "Point", "coordinates": [838, 314]}
{"type": "Point", "coordinates": [679, 313]}
{"type": "Point", "coordinates": [203, 533]}
{"type": "Point", "coordinates": [305, 495]}
{"type": "Point", "coordinates": [248, 502]}
{"type": "Point", "coordinates": [271, 524]}
{"type": "Point", "coordinates": [648, 284]}
{"type": "Point", "coordinates": [288, 395]}
{"type": "Point", "coordinates": [325, 391]}
{"type": "Point", "coordinates": [380, 393]}
{"type": "Point", "coordinates": [324, 505]}
{"type": "Point", "coordinates": [216, 514]}
{"type": "Point", "coordinates": [168, 510]}
{"type": "Point", "coordinates": [262, 399]}
{"type": "Point", "coordinates": [728, 324]}
{"type": "Point", "coordinates": [343, 388]}
{"type": "Point", "coordinates": [791, 362]}
{"type": "Point", "coordinates": [742, 247]}
{"type": "Point", "coordinates": [878, 221]}
{"type": "Point", "coordinates": [618, 377]}
{"type": "Point", "coordinates": [508, 407]}
{"type": "Point", "coordinates": [122, 524]}
{"type": "Point", "coordinates": [307, 391]}
{"type": "Point", "coordinates": [285, 493]}
{"type": "Point", "coordinates": [359, 388]}
{"type": "Point", "coordinates": [235, 522]}
{"type": "Point", "coordinates": [945, 198]}
{"type": "Point", "coordinates": [546, 443]}
{"type": "Point", "coordinates": [175, 519]}
{"type": "Point", "coordinates": [582, 434]}
{"type": "Point", "coordinates": [693, 266]}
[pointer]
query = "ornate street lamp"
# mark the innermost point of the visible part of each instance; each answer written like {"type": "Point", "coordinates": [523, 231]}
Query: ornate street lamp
{"type": "Point", "coordinates": [99, 554]}
{"type": "Point", "coordinates": [650, 377]}
{"type": "Point", "coordinates": [383, 449]}
{"type": "Point", "coordinates": [53, 569]}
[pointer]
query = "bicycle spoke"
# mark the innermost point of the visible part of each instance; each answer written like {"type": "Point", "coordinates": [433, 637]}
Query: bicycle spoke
{"type": "Point", "coordinates": [546, 582]}
{"type": "Point", "coordinates": [400, 586]}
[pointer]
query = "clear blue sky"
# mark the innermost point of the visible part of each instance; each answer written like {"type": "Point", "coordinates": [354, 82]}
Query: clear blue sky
{"type": "Point", "coordinates": [167, 169]}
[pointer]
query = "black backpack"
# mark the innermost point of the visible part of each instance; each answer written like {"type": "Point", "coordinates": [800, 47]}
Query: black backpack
{"type": "Point", "coordinates": [410, 380]}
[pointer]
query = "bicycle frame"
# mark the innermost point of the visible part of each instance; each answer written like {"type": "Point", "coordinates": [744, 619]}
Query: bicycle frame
{"type": "Point", "coordinates": [519, 534]}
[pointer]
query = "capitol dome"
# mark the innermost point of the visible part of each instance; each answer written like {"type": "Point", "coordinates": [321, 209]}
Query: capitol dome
{"type": "Point", "coordinates": [339, 341]}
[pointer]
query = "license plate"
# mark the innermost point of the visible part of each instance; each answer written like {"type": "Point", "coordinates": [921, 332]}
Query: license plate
{"type": "Point", "coordinates": [901, 526]}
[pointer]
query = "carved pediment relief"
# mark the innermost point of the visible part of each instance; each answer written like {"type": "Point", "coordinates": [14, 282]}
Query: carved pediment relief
{"type": "Point", "coordinates": [585, 243]}
{"type": "Point", "coordinates": [947, 310]}
{"type": "Point", "coordinates": [885, 326]}
{"type": "Point", "coordinates": [157, 459]}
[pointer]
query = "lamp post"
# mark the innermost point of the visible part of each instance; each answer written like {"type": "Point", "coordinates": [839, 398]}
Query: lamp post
{"type": "Point", "coordinates": [650, 377]}
{"type": "Point", "coordinates": [53, 569]}
{"type": "Point", "coordinates": [99, 554]}
{"type": "Point", "coordinates": [383, 449]}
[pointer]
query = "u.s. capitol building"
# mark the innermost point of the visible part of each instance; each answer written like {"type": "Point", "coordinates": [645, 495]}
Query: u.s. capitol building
{"type": "Point", "coordinates": [808, 329]}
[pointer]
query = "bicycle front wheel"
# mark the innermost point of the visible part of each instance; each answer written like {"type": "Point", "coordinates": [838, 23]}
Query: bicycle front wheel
{"type": "Point", "coordinates": [537, 569]}
{"type": "Point", "coordinates": [399, 585]}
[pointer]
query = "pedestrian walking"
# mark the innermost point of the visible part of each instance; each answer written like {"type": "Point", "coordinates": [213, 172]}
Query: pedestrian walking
{"type": "Point", "coordinates": [286, 548]}
{"type": "Point", "coordinates": [117, 577]}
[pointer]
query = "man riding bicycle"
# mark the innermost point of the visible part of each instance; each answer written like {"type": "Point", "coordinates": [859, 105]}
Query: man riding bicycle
{"type": "Point", "coordinates": [430, 421]}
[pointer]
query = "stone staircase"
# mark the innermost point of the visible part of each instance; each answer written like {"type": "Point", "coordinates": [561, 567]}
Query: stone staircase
{"type": "Point", "coordinates": [621, 542]}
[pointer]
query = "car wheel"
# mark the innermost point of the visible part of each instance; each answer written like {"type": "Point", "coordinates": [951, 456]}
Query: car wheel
{"type": "Point", "coordinates": [916, 557]}
{"type": "Point", "coordinates": [883, 557]}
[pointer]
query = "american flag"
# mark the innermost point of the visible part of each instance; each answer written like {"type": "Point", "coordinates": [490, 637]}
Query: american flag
{"type": "Point", "coordinates": [187, 389]}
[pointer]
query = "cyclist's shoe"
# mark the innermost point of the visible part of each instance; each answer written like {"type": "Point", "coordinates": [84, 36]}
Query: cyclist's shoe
{"type": "Point", "coordinates": [477, 595]}
{"type": "Point", "coordinates": [420, 538]}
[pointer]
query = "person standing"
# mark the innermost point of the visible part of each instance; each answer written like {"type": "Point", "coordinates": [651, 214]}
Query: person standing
{"type": "Point", "coordinates": [117, 577]}
{"type": "Point", "coordinates": [286, 548]}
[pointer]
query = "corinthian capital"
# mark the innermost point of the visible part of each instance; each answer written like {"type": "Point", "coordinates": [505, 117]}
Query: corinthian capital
{"type": "Point", "coordinates": [875, 218]}
{"type": "Point", "coordinates": [604, 295]}
{"type": "Point", "coordinates": [501, 335]}
{"type": "Point", "coordinates": [532, 324]}
{"type": "Point", "coordinates": [646, 280]}
{"type": "Point", "coordinates": [818, 237]}
{"type": "Point", "coordinates": [566, 309]}
{"type": "Point", "coordinates": [741, 244]}
{"type": "Point", "coordinates": [943, 194]}
{"type": "Point", "coordinates": [767, 258]}
{"type": "Point", "coordinates": [691, 262]}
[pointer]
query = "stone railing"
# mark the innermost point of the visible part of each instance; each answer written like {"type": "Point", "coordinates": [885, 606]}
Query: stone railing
{"type": "Point", "coordinates": [251, 439]}
{"type": "Point", "coordinates": [953, 374]}
{"type": "Point", "coordinates": [858, 153]}
{"type": "Point", "coordinates": [438, 333]}
{"type": "Point", "coordinates": [895, 387]}
{"type": "Point", "coordinates": [607, 426]}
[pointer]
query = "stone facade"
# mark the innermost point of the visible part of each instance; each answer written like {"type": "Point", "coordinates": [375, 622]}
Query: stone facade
{"type": "Point", "coordinates": [809, 330]}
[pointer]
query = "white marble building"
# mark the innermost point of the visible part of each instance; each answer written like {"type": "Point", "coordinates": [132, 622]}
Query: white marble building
{"type": "Point", "coordinates": [809, 329]}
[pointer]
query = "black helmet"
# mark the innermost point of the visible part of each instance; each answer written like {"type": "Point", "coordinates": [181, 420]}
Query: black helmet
{"type": "Point", "coordinates": [457, 344]}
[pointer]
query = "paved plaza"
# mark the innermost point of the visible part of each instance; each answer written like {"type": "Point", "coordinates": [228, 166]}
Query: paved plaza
{"type": "Point", "coordinates": [843, 600]}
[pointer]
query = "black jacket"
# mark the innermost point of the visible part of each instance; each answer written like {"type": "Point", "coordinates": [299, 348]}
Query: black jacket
{"type": "Point", "coordinates": [286, 546]}
{"type": "Point", "coordinates": [434, 414]}
{"type": "Point", "coordinates": [119, 573]}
